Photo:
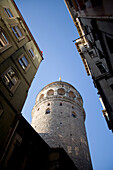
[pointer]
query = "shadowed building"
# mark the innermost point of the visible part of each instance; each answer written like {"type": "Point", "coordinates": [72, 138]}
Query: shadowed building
{"type": "Point", "coordinates": [20, 58]}
{"type": "Point", "coordinates": [94, 22]}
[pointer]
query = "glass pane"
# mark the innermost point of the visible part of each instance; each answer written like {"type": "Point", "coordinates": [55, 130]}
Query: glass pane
{"type": "Point", "coordinates": [9, 12]}
{"type": "Point", "coordinates": [14, 31]}
{"type": "Point", "coordinates": [10, 85]}
{"type": "Point", "coordinates": [18, 31]}
{"type": "Point", "coordinates": [47, 111]}
{"type": "Point", "coordinates": [31, 52]}
{"type": "Point", "coordinates": [14, 80]}
{"type": "Point", "coordinates": [11, 73]}
{"type": "Point", "coordinates": [3, 37]}
{"type": "Point", "coordinates": [5, 79]}
{"type": "Point", "coordinates": [3, 40]}
{"type": "Point", "coordinates": [1, 44]}
{"type": "Point", "coordinates": [24, 60]}
{"type": "Point", "coordinates": [22, 64]}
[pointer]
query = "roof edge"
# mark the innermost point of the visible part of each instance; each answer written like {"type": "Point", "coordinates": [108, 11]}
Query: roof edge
{"type": "Point", "coordinates": [27, 28]}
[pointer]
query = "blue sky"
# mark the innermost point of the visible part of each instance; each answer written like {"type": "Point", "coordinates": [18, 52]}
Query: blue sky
{"type": "Point", "coordinates": [54, 31]}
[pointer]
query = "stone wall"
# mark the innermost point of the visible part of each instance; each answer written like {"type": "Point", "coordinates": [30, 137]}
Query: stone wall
{"type": "Point", "coordinates": [59, 119]}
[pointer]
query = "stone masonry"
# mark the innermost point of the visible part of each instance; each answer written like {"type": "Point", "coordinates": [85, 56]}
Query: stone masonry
{"type": "Point", "coordinates": [58, 116]}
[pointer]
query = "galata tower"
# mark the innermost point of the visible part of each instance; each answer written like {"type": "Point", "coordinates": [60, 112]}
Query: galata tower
{"type": "Point", "coordinates": [58, 116]}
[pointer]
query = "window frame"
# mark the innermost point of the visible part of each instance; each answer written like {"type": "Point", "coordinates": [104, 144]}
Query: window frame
{"type": "Point", "coordinates": [109, 41]}
{"type": "Point", "coordinates": [101, 67]}
{"type": "Point", "coordinates": [17, 31]}
{"type": "Point", "coordinates": [47, 111]}
{"type": "Point", "coordinates": [11, 79]}
{"type": "Point", "coordinates": [31, 53]}
{"type": "Point", "coordinates": [23, 64]}
{"type": "Point", "coordinates": [73, 114]}
{"type": "Point", "coordinates": [5, 44]}
{"type": "Point", "coordinates": [1, 109]}
{"type": "Point", "coordinates": [8, 12]}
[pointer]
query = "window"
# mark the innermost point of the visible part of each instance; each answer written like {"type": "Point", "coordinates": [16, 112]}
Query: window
{"type": "Point", "coordinates": [41, 97]}
{"type": "Point", "coordinates": [3, 40]}
{"type": "Point", "coordinates": [8, 12]}
{"type": "Point", "coordinates": [50, 92]}
{"type": "Point", "coordinates": [60, 104]}
{"type": "Point", "coordinates": [47, 111]}
{"type": "Point", "coordinates": [17, 32]}
{"type": "Point", "coordinates": [31, 52]}
{"type": "Point", "coordinates": [110, 44]}
{"type": "Point", "coordinates": [101, 67]}
{"type": "Point", "coordinates": [10, 79]}
{"type": "Point", "coordinates": [73, 114]}
{"type": "Point", "coordinates": [111, 86]}
{"type": "Point", "coordinates": [1, 109]}
{"type": "Point", "coordinates": [23, 62]}
{"type": "Point", "coordinates": [48, 104]}
{"type": "Point", "coordinates": [70, 3]}
{"type": "Point", "coordinates": [71, 94]}
{"type": "Point", "coordinates": [61, 91]}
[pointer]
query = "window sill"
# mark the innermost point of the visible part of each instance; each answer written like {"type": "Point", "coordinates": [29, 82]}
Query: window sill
{"type": "Point", "coordinates": [21, 38]}
{"type": "Point", "coordinates": [3, 49]}
{"type": "Point", "coordinates": [14, 88]}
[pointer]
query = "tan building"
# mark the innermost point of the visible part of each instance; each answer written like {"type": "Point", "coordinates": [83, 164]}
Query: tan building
{"type": "Point", "coordinates": [58, 116]}
{"type": "Point", "coordinates": [94, 22]}
{"type": "Point", "coordinates": [20, 58]}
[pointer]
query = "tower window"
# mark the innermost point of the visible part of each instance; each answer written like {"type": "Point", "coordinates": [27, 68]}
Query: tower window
{"type": "Point", "coordinates": [23, 62]}
{"type": "Point", "coordinates": [47, 111]}
{"type": "Point", "coordinates": [50, 92]}
{"type": "Point", "coordinates": [8, 12]}
{"type": "Point", "coordinates": [41, 96]}
{"type": "Point", "coordinates": [3, 40]}
{"type": "Point", "coordinates": [74, 114]}
{"type": "Point", "coordinates": [61, 91]}
{"type": "Point", "coordinates": [71, 94]}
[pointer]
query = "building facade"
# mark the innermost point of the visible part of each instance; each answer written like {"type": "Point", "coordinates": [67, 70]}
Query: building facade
{"type": "Point", "coordinates": [94, 22]}
{"type": "Point", "coordinates": [58, 116]}
{"type": "Point", "coordinates": [20, 58]}
{"type": "Point", "coordinates": [27, 150]}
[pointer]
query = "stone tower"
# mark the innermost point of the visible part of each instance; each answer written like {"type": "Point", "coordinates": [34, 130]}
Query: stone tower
{"type": "Point", "coordinates": [58, 116]}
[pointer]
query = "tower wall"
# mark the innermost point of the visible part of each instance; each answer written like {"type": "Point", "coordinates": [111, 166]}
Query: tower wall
{"type": "Point", "coordinates": [58, 116]}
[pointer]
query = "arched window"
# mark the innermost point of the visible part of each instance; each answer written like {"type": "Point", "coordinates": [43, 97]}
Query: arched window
{"type": "Point", "coordinates": [71, 94]}
{"type": "Point", "coordinates": [47, 111]}
{"type": "Point", "coordinates": [74, 114]}
{"type": "Point", "coordinates": [61, 91]}
{"type": "Point", "coordinates": [50, 92]}
{"type": "Point", "coordinates": [41, 96]}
